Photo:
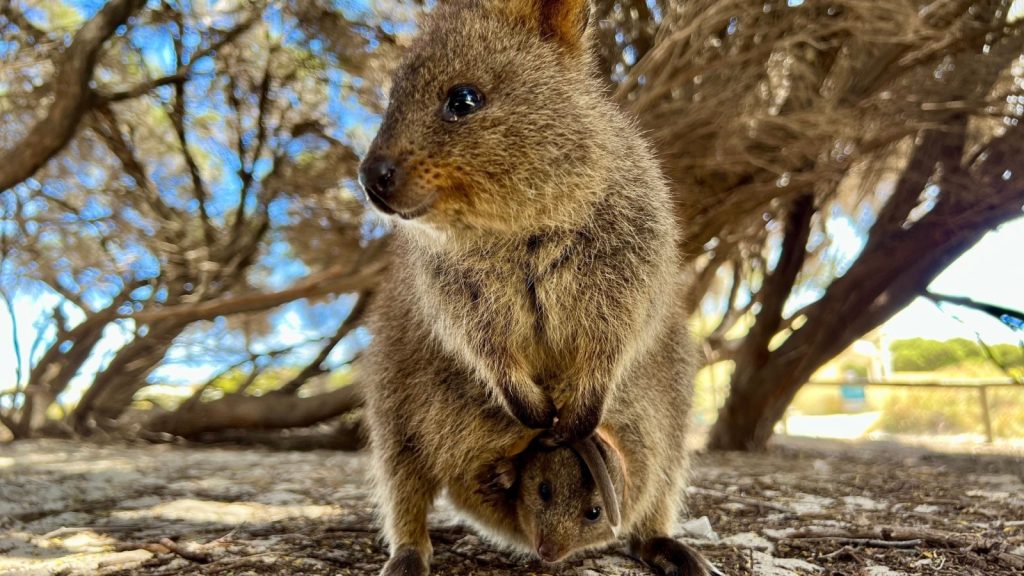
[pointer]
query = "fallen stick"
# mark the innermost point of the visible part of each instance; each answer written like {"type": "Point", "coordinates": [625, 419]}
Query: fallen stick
{"type": "Point", "coordinates": [864, 542]}
{"type": "Point", "coordinates": [922, 536]}
{"type": "Point", "coordinates": [741, 499]}
{"type": "Point", "coordinates": [193, 553]}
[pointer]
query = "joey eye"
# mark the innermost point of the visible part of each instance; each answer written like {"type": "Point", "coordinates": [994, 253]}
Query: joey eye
{"type": "Point", "coordinates": [462, 100]}
{"type": "Point", "coordinates": [593, 513]}
{"type": "Point", "coordinates": [544, 491]}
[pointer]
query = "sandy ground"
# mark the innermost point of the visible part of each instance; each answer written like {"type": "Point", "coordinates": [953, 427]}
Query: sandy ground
{"type": "Point", "coordinates": [805, 507]}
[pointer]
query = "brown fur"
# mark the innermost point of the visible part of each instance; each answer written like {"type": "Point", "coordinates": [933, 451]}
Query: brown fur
{"type": "Point", "coordinates": [534, 270]}
{"type": "Point", "coordinates": [647, 465]}
{"type": "Point", "coordinates": [643, 436]}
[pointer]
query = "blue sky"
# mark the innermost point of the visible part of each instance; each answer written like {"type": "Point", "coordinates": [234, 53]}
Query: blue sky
{"type": "Point", "coordinates": [295, 324]}
{"type": "Point", "coordinates": [990, 272]}
{"type": "Point", "coordinates": [993, 271]}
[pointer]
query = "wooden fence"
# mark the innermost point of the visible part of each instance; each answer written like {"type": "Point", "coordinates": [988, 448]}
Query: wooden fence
{"type": "Point", "coordinates": [982, 387]}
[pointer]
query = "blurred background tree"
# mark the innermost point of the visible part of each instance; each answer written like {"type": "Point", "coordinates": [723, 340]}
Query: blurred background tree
{"type": "Point", "coordinates": [923, 355]}
{"type": "Point", "coordinates": [177, 189]}
{"type": "Point", "coordinates": [203, 161]}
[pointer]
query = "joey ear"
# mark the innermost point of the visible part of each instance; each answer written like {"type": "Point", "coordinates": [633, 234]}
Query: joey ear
{"type": "Point", "coordinates": [598, 467]}
{"type": "Point", "coordinates": [564, 21]}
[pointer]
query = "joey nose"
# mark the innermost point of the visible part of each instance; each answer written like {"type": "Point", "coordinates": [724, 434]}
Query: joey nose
{"type": "Point", "coordinates": [379, 178]}
{"type": "Point", "coordinates": [548, 552]}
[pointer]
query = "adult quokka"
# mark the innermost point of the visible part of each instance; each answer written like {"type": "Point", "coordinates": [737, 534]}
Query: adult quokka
{"type": "Point", "coordinates": [535, 266]}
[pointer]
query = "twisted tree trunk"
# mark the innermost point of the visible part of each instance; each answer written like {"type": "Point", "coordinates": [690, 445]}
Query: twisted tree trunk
{"type": "Point", "coordinates": [112, 390]}
{"type": "Point", "coordinates": [271, 411]}
{"type": "Point", "coordinates": [897, 264]}
{"type": "Point", "coordinates": [72, 97]}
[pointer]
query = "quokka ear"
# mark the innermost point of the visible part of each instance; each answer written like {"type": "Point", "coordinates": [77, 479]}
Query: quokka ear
{"type": "Point", "coordinates": [598, 468]}
{"type": "Point", "coordinates": [562, 21]}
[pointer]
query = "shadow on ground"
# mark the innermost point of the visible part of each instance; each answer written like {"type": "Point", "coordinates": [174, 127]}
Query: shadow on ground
{"type": "Point", "coordinates": [810, 507]}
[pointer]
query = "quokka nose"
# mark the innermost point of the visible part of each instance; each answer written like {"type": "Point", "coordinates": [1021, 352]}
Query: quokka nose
{"type": "Point", "coordinates": [378, 177]}
{"type": "Point", "coordinates": [548, 552]}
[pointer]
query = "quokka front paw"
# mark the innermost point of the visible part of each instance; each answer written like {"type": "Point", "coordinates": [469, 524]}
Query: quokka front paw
{"type": "Point", "coordinates": [496, 480]}
{"type": "Point", "coordinates": [577, 421]}
{"type": "Point", "coordinates": [538, 414]}
{"type": "Point", "coordinates": [406, 561]}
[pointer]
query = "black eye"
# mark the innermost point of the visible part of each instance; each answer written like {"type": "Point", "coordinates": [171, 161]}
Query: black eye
{"type": "Point", "coordinates": [593, 514]}
{"type": "Point", "coordinates": [461, 101]}
{"type": "Point", "coordinates": [544, 490]}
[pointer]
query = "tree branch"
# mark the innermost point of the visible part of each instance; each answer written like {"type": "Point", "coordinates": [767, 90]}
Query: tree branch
{"type": "Point", "coordinates": [247, 173]}
{"type": "Point", "coordinates": [182, 74]}
{"type": "Point", "coordinates": [177, 115]}
{"type": "Point", "coordinates": [72, 98]}
{"type": "Point", "coordinates": [19, 20]}
{"type": "Point", "coordinates": [19, 368]}
{"type": "Point", "coordinates": [142, 88]}
{"type": "Point", "coordinates": [259, 412]}
{"type": "Point", "coordinates": [315, 368]}
{"type": "Point", "coordinates": [115, 139]}
{"type": "Point", "coordinates": [778, 284]}
{"type": "Point", "coordinates": [706, 276]}
{"type": "Point", "coordinates": [334, 280]}
{"type": "Point", "coordinates": [54, 371]}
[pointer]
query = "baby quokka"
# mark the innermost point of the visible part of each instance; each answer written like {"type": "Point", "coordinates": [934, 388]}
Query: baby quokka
{"type": "Point", "coordinates": [570, 498]}
{"type": "Point", "coordinates": [534, 283]}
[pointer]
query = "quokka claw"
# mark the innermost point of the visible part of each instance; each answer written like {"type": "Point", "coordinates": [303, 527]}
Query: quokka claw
{"type": "Point", "coordinates": [670, 557]}
{"type": "Point", "coordinates": [406, 561]}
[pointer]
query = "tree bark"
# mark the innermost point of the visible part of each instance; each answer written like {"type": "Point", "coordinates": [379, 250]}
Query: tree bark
{"type": "Point", "coordinates": [777, 287]}
{"type": "Point", "coordinates": [316, 367]}
{"type": "Point", "coordinates": [271, 411]}
{"type": "Point", "coordinates": [347, 435]}
{"type": "Point", "coordinates": [755, 404]}
{"type": "Point", "coordinates": [71, 97]}
{"type": "Point", "coordinates": [338, 279]}
{"type": "Point", "coordinates": [58, 365]}
{"type": "Point", "coordinates": [897, 265]}
{"type": "Point", "coordinates": [112, 390]}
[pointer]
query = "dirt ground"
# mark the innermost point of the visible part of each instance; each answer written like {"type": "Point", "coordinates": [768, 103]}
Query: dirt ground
{"type": "Point", "coordinates": [805, 507]}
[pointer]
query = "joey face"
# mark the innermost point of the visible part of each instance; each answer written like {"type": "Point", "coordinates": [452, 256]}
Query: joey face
{"type": "Point", "coordinates": [489, 125]}
{"type": "Point", "coordinates": [559, 506]}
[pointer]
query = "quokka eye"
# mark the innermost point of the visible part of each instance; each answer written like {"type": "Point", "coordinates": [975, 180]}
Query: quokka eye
{"type": "Point", "coordinates": [544, 491]}
{"type": "Point", "coordinates": [593, 513]}
{"type": "Point", "coordinates": [462, 100]}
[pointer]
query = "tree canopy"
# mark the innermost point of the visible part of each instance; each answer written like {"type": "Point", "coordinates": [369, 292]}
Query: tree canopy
{"type": "Point", "coordinates": [177, 187]}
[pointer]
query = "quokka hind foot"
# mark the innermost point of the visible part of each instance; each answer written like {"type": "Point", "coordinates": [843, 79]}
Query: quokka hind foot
{"type": "Point", "coordinates": [406, 561]}
{"type": "Point", "coordinates": [670, 557]}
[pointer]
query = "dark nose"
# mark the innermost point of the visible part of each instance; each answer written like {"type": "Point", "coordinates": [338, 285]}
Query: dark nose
{"type": "Point", "coordinates": [548, 552]}
{"type": "Point", "coordinates": [379, 177]}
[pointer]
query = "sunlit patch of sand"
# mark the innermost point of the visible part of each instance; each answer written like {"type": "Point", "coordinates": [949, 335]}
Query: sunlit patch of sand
{"type": "Point", "coordinates": [191, 510]}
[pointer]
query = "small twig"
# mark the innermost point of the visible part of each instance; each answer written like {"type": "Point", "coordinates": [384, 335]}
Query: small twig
{"type": "Point", "coordinates": [902, 536]}
{"type": "Point", "coordinates": [235, 563]}
{"type": "Point", "coordinates": [225, 538]}
{"type": "Point", "coordinates": [193, 553]}
{"type": "Point", "coordinates": [844, 551]}
{"type": "Point", "coordinates": [743, 499]}
{"type": "Point", "coordinates": [864, 542]}
{"type": "Point", "coordinates": [94, 528]}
